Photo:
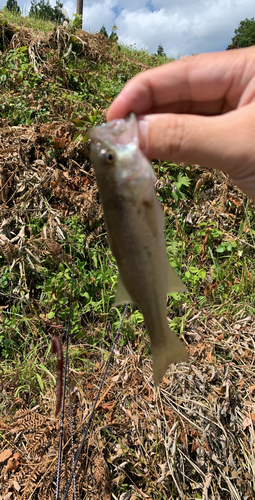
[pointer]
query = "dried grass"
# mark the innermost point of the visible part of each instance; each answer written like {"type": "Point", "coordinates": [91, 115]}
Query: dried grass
{"type": "Point", "coordinates": [193, 438]}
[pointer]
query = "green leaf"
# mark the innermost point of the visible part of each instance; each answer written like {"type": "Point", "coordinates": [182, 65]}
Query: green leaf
{"type": "Point", "coordinates": [80, 122]}
{"type": "Point", "coordinates": [220, 248]}
{"type": "Point", "coordinates": [81, 334]}
{"type": "Point", "coordinates": [175, 196]}
{"type": "Point", "coordinates": [193, 269]}
{"type": "Point", "coordinates": [44, 369]}
{"type": "Point", "coordinates": [183, 180]}
{"type": "Point", "coordinates": [202, 274]}
{"type": "Point", "coordinates": [85, 138]}
{"type": "Point", "coordinates": [77, 137]}
{"type": "Point", "coordinates": [51, 315]}
{"type": "Point", "coordinates": [175, 295]}
{"type": "Point", "coordinates": [40, 382]}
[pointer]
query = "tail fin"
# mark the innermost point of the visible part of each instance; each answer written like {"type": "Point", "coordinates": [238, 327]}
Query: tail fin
{"type": "Point", "coordinates": [171, 351]}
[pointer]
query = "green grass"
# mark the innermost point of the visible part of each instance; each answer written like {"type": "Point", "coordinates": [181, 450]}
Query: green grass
{"type": "Point", "coordinates": [143, 55]}
{"type": "Point", "coordinates": [26, 84]}
{"type": "Point", "coordinates": [222, 283]}
{"type": "Point", "coordinates": [28, 22]}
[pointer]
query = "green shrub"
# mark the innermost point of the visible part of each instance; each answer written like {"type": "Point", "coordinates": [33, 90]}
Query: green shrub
{"type": "Point", "coordinates": [12, 6]}
{"type": "Point", "coordinates": [245, 33]}
{"type": "Point", "coordinates": [43, 10]}
{"type": "Point", "coordinates": [160, 51]}
{"type": "Point", "coordinates": [103, 31]}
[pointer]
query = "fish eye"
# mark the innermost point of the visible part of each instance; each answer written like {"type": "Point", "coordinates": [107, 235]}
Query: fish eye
{"type": "Point", "coordinates": [109, 157]}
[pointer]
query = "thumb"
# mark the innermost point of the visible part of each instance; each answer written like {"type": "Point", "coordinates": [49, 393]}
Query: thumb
{"type": "Point", "coordinates": [225, 142]}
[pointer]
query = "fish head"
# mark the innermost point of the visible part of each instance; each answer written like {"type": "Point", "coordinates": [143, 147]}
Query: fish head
{"type": "Point", "coordinates": [117, 159]}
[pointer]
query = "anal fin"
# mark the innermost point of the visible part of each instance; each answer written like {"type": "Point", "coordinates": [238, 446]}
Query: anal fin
{"type": "Point", "coordinates": [122, 295]}
{"type": "Point", "coordinates": [174, 282]}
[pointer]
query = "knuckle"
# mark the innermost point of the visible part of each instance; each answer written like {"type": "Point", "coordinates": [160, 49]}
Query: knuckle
{"type": "Point", "coordinates": [176, 136]}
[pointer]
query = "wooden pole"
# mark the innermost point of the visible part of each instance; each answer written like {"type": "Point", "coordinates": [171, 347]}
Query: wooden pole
{"type": "Point", "coordinates": [79, 8]}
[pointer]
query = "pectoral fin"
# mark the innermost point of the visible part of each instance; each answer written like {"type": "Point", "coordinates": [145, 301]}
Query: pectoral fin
{"type": "Point", "coordinates": [122, 295]}
{"type": "Point", "coordinates": [174, 283]}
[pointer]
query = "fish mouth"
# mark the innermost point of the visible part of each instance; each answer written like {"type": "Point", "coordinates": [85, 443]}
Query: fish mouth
{"type": "Point", "coordinates": [117, 133]}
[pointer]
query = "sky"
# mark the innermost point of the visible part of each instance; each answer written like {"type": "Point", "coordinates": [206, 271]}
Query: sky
{"type": "Point", "coordinates": [183, 27]}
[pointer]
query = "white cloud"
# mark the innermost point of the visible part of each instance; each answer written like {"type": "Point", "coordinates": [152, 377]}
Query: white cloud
{"type": "Point", "coordinates": [97, 14]}
{"type": "Point", "coordinates": [146, 29]}
{"type": "Point", "coordinates": [70, 8]}
{"type": "Point", "coordinates": [184, 28]}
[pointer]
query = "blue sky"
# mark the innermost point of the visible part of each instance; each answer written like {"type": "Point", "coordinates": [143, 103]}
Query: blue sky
{"type": "Point", "coordinates": [183, 27]}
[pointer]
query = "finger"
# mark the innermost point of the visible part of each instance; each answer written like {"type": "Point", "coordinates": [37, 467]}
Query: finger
{"type": "Point", "coordinates": [209, 108]}
{"type": "Point", "coordinates": [189, 84]}
{"type": "Point", "coordinates": [225, 142]}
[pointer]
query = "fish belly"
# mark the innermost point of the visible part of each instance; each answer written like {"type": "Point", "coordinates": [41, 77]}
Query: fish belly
{"type": "Point", "coordinates": [137, 242]}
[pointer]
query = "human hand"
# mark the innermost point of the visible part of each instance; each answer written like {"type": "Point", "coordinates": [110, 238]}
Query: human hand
{"type": "Point", "coordinates": [199, 109]}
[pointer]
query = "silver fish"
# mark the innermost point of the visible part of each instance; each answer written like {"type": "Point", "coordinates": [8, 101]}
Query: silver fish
{"type": "Point", "coordinates": [135, 226]}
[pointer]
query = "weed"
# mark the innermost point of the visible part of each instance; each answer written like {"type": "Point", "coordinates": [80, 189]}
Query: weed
{"type": "Point", "coordinates": [172, 182]}
{"type": "Point", "coordinates": [76, 23]}
{"type": "Point", "coordinates": [29, 22]}
{"type": "Point", "coordinates": [143, 55]}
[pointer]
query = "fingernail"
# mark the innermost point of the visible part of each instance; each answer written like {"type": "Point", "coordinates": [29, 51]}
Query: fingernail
{"type": "Point", "coordinates": [142, 132]}
{"type": "Point", "coordinates": [115, 110]}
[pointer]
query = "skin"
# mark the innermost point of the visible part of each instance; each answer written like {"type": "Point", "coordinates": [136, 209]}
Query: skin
{"type": "Point", "coordinates": [200, 110]}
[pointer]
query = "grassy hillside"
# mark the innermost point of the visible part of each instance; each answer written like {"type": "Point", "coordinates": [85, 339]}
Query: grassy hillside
{"type": "Point", "coordinates": [193, 438]}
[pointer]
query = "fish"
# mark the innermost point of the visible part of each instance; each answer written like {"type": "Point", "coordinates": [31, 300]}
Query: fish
{"type": "Point", "coordinates": [135, 226]}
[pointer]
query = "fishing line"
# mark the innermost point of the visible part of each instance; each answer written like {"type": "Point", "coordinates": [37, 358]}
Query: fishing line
{"type": "Point", "coordinates": [71, 429]}
{"type": "Point", "coordinates": [66, 375]}
{"type": "Point", "coordinates": [94, 406]}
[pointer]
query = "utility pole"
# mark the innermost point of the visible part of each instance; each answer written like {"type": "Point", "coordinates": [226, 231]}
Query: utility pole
{"type": "Point", "coordinates": [79, 8]}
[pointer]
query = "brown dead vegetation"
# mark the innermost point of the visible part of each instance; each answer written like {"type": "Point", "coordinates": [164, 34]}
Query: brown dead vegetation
{"type": "Point", "coordinates": [194, 435]}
